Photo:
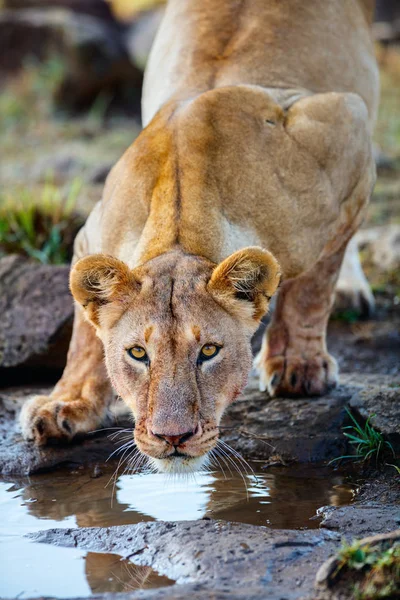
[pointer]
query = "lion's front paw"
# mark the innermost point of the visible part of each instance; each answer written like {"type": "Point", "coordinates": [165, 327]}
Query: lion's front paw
{"type": "Point", "coordinates": [297, 376]}
{"type": "Point", "coordinates": [43, 418]}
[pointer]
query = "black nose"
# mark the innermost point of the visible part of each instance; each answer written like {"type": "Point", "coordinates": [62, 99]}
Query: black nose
{"type": "Point", "coordinates": [175, 440]}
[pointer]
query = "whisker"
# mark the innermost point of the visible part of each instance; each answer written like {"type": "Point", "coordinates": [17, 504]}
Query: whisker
{"type": "Point", "coordinates": [220, 457]}
{"type": "Point", "coordinates": [106, 429]}
{"type": "Point", "coordinates": [114, 476]}
{"type": "Point", "coordinates": [122, 460]}
{"type": "Point", "coordinates": [224, 452]}
{"type": "Point", "coordinates": [112, 436]}
{"type": "Point", "coordinates": [214, 456]}
{"type": "Point", "coordinates": [239, 457]}
{"type": "Point", "coordinates": [117, 450]}
{"type": "Point", "coordinates": [135, 463]}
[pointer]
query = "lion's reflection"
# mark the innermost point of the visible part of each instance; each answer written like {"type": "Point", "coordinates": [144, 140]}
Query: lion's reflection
{"type": "Point", "coordinates": [283, 498]}
{"type": "Point", "coordinates": [110, 573]}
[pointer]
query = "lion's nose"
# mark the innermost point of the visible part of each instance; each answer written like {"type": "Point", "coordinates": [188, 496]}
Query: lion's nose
{"type": "Point", "coordinates": [175, 440]}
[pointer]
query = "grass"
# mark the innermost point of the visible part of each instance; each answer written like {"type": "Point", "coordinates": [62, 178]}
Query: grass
{"type": "Point", "coordinates": [367, 442]}
{"type": "Point", "coordinates": [42, 228]}
{"type": "Point", "coordinates": [387, 130]}
{"type": "Point", "coordinates": [377, 565]}
{"type": "Point", "coordinates": [349, 315]}
{"type": "Point", "coordinates": [28, 98]}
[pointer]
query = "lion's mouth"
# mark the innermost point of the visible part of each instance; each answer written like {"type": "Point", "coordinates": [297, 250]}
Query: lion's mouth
{"type": "Point", "coordinates": [178, 453]}
{"type": "Point", "coordinates": [179, 463]}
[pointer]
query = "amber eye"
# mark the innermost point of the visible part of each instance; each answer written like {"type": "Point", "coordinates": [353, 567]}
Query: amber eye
{"type": "Point", "coordinates": [138, 353]}
{"type": "Point", "coordinates": [208, 351]}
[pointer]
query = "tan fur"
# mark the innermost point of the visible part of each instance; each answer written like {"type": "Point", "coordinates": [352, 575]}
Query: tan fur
{"type": "Point", "coordinates": [256, 152]}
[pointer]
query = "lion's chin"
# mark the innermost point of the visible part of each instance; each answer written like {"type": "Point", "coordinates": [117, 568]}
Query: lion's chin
{"type": "Point", "coordinates": [179, 465]}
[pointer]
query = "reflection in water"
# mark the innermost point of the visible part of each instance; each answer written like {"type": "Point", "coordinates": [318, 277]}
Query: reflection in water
{"type": "Point", "coordinates": [284, 498]}
{"type": "Point", "coordinates": [110, 573]}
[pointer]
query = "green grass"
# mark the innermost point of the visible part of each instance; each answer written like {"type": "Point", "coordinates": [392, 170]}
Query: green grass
{"type": "Point", "coordinates": [366, 441]}
{"type": "Point", "coordinates": [394, 467]}
{"type": "Point", "coordinates": [42, 228]}
{"type": "Point", "coordinates": [376, 565]}
{"type": "Point", "coordinates": [349, 315]}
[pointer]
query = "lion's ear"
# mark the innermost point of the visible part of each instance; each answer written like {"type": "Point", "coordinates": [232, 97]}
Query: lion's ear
{"type": "Point", "coordinates": [245, 282]}
{"type": "Point", "coordinates": [98, 280]}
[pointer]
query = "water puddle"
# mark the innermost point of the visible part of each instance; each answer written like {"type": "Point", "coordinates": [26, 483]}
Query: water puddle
{"type": "Point", "coordinates": [284, 498]}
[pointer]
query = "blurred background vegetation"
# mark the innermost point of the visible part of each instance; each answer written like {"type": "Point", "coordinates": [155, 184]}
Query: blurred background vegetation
{"type": "Point", "coordinates": [70, 83]}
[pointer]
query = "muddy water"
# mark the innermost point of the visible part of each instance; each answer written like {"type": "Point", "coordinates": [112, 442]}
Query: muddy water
{"type": "Point", "coordinates": [284, 498]}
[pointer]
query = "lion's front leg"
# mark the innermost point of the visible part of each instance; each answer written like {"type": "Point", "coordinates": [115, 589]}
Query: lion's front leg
{"type": "Point", "coordinates": [79, 402]}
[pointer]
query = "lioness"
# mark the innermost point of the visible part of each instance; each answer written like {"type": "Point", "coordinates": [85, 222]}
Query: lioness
{"type": "Point", "coordinates": [254, 166]}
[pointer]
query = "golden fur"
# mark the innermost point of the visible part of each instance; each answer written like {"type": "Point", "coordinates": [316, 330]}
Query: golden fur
{"type": "Point", "coordinates": [256, 152]}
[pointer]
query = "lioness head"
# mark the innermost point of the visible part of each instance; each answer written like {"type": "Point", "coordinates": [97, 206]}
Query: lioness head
{"type": "Point", "coordinates": [176, 333]}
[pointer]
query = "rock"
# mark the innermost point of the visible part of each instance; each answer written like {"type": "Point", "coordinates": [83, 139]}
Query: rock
{"type": "Point", "coordinates": [229, 559]}
{"type": "Point", "coordinates": [383, 243]}
{"type": "Point", "coordinates": [98, 62]}
{"type": "Point", "coordinates": [93, 52]}
{"type": "Point", "coordinates": [27, 35]}
{"type": "Point", "coordinates": [335, 580]}
{"type": "Point", "coordinates": [360, 520]}
{"type": "Point", "coordinates": [370, 348]}
{"type": "Point", "coordinates": [383, 488]}
{"type": "Point", "coordinates": [280, 430]}
{"type": "Point", "coordinates": [302, 429]}
{"type": "Point", "coordinates": [36, 308]}
{"type": "Point", "coordinates": [20, 458]}
{"type": "Point", "coordinates": [222, 559]}
{"type": "Point", "coordinates": [382, 405]}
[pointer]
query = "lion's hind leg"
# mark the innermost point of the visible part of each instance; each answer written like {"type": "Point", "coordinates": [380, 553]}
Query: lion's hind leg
{"type": "Point", "coordinates": [293, 359]}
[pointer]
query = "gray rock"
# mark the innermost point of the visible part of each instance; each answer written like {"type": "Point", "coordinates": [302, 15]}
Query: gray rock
{"type": "Point", "coordinates": [215, 559]}
{"type": "Point", "coordinates": [221, 556]}
{"type": "Point", "coordinates": [382, 404]}
{"type": "Point", "coordinates": [28, 33]}
{"type": "Point", "coordinates": [20, 458]}
{"type": "Point", "coordinates": [360, 520]}
{"type": "Point", "coordinates": [281, 430]}
{"type": "Point", "coordinates": [302, 429]}
{"type": "Point", "coordinates": [36, 309]}
{"type": "Point", "coordinates": [383, 488]}
{"type": "Point", "coordinates": [256, 428]}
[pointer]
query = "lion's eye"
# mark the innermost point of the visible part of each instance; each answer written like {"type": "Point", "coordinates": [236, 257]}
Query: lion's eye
{"type": "Point", "coordinates": [208, 351]}
{"type": "Point", "coordinates": [138, 353]}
